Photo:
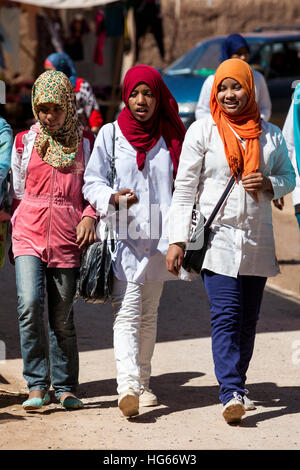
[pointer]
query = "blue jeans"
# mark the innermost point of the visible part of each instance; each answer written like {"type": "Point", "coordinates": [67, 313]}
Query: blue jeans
{"type": "Point", "coordinates": [234, 306]}
{"type": "Point", "coordinates": [58, 363]}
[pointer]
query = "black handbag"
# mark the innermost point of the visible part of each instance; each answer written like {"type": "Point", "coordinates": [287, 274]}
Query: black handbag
{"type": "Point", "coordinates": [94, 282]}
{"type": "Point", "coordinates": [196, 248]}
{"type": "Point", "coordinates": [95, 279]}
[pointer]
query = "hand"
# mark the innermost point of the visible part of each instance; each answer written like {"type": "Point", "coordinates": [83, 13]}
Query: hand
{"type": "Point", "coordinates": [4, 216]}
{"type": "Point", "coordinates": [174, 258]}
{"type": "Point", "coordinates": [257, 182]}
{"type": "Point", "coordinates": [128, 198]}
{"type": "Point", "coordinates": [86, 233]}
{"type": "Point", "coordinates": [279, 203]}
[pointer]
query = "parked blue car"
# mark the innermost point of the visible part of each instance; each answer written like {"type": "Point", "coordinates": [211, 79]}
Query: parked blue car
{"type": "Point", "coordinates": [275, 53]}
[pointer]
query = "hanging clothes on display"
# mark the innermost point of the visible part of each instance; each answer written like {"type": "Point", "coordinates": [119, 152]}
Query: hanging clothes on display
{"type": "Point", "coordinates": [101, 34]}
{"type": "Point", "coordinates": [74, 45]}
{"type": "Point", "coordinates": [49, 38]}
{"type": "Point", "coordinates": [148, 18]}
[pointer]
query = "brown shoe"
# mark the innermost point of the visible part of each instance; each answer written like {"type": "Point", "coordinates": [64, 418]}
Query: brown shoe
{"type": "Point", "coordinates": [128, 403]}
{"type": "Point", "coordinates": [233, 411]}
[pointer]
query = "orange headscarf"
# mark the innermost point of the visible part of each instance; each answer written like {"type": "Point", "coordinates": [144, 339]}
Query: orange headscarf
{"type": "Point", "coordinates": [246, 124]}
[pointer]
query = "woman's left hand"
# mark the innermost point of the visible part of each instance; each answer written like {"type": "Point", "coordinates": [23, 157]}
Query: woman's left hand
{"type": "Point", "coordinates": [86, 232]}
{"type": "Point", "coordinates": [174, 258]}
{"type": "Point", "coordinates": [257, 182]}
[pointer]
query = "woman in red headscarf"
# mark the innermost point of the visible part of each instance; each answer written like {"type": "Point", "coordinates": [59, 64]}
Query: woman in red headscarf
{"type": "Point", "coordinates": [145, 147]}
{"type": "Point", "coordinates": [241, 253]}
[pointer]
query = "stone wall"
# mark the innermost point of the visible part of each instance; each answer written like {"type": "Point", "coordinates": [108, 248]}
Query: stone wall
{"type": "Point", "coordinates": [200, 18]}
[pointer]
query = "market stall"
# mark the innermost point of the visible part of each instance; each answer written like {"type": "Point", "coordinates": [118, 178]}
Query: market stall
{"type": "Point", "coordinates": [90, 31]}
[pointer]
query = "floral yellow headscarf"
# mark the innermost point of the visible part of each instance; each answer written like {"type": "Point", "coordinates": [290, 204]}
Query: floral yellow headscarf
{"type": "Point", "coordinates": [57, 148]}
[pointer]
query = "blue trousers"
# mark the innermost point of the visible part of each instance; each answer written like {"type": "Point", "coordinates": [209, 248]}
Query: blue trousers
{"type": "Point", "coordinates": [234, 306]}
{"type": "Point", "coordinates": [56, 364]}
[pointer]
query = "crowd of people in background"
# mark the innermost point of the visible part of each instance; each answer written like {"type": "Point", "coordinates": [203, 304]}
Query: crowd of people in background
{"type": "Point", "coordinates": [61, 197]}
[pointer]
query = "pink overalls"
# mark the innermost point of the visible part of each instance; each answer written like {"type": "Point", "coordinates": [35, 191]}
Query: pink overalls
{"type": "Point", "coordinates": [44, 224]}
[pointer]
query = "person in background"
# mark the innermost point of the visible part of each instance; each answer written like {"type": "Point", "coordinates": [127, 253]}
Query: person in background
{"type": "Point", "coordinates": [148, 138]}
{"type": "Point", "coordinates": [6, 141]}
{"type": "Point", "coordinates": [5, 156]}
{"type": "Point", "coordinates": [291, 132]}
{"type": "Point", "coordinates": [236, 46]}
{"type": "Point", "coordinates": [87, 106]}
{"type": "Point", "coordinates": [232, 140]}
{"type": "Point", "coordinates": [51, 224]}
{"type": "Point", "coordinates": [148, 19]}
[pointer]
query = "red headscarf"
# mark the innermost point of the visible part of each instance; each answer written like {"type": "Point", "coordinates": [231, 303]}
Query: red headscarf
{"type": "Point", "coordinates": [165, 120]}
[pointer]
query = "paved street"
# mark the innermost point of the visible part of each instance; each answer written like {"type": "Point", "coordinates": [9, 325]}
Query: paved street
{"type": "Point", "coordinates": [189, 413]}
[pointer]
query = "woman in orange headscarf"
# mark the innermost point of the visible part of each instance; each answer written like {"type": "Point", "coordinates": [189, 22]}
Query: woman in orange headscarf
{"type": "Point", "coordinates": [241, 253]}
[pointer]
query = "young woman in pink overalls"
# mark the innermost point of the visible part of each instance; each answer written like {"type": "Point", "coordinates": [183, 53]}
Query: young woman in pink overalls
{"type": "Point", "coordinates": [51, 224]}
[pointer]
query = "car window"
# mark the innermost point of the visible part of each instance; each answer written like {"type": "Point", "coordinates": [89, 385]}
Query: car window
{"type": "Point", "coordinates": [278, 59]}
{"type": "Point", "coordinates": [285, 59]}
{"type": "Point", "coordinates": [260, 57]}
{"type": "Point", "coordinates": [202, 60]}
{"type": "Point", "coordinates": [209, 60]}
{"type": "Point", "coordinates": [185, 64]}
{"type": "Point", "coordinates": [255, 47]}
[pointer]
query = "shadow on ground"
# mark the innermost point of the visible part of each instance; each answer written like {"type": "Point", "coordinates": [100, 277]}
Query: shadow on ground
{"type": "Point", "coordinates": [183, 304]}
{"type": "Point", "coordinates": [273, 401]}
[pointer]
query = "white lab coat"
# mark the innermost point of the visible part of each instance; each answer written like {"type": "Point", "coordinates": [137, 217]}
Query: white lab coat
{"type": "Point", "coordinates": [242, 239]}
{"type": "Point", "coordinates": [142, 231]}
{"type": "Point", "coordinates": [261, 94]}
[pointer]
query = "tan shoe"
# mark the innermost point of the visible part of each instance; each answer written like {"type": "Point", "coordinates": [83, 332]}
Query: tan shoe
{"type": "Point", "coordinates": [147, 397]}
{"type": "Point", "coordinates": [233, 410]}
{"type": "Point", "coordinates": [128, 403]}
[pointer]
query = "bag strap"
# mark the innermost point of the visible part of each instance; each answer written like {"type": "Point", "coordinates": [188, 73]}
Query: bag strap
{"type": "Point", "coordinates": [220, 202]}
{"type": "Point", "coordinates": [108, 228]}
{"type": "Point", "coordinates": [112, 158]}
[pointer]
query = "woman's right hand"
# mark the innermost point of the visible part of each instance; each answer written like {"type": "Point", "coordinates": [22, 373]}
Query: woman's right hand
{"type": "Point", "coordinates": [279, 203]}
{"type": "Point", "coordinates": [174, 258]}
{"type": "Point", "coordinates": [128, 198]}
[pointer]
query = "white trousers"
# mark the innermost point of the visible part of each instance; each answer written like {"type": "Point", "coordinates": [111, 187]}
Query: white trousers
{"type": "Point", "coordinates": [135, 325]}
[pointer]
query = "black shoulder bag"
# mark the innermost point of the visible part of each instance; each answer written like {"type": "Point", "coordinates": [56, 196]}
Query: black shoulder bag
{"type": "Point", "coordinates": [196, 248]}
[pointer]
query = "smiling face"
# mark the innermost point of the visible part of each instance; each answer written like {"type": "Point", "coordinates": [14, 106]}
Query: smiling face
{"type": "Point", "coordinates": [231, 96]}
{"type": "Point", "coordinates": [142, 102]}
{"type": "Point", "coordinates": [52, 116]}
